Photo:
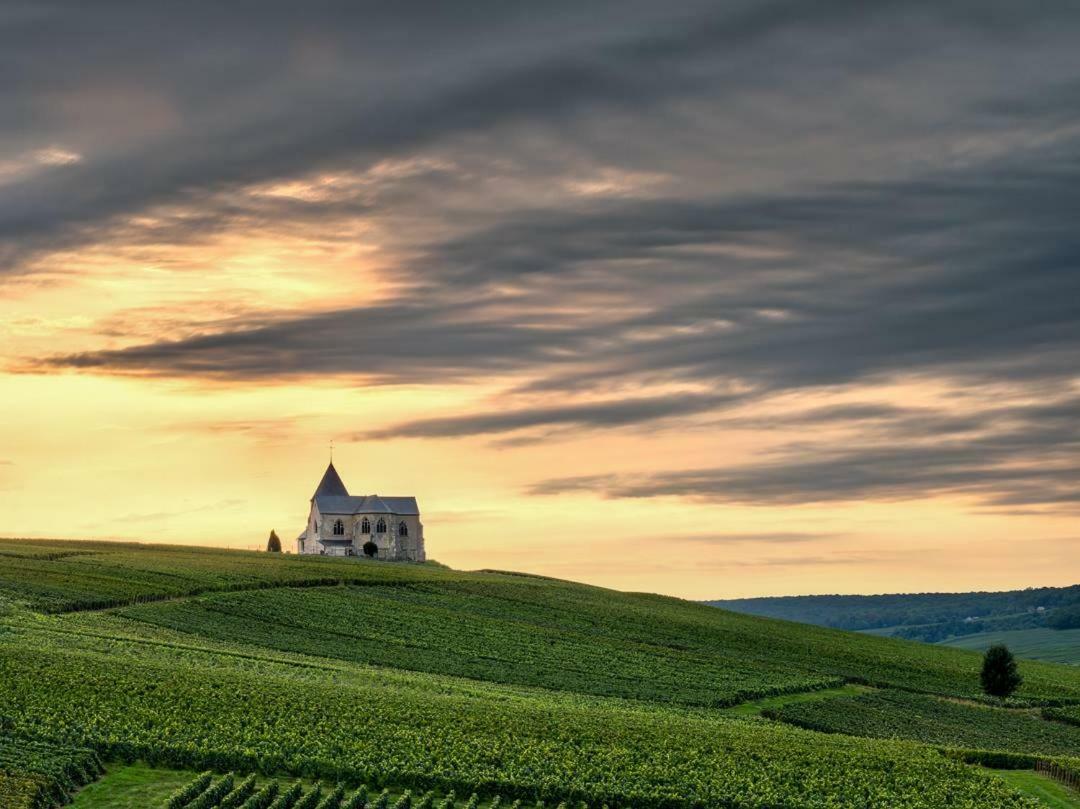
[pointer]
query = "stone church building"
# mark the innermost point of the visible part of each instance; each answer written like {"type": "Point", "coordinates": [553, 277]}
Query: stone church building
{"type": "Point", "coordinates": [340, 524]}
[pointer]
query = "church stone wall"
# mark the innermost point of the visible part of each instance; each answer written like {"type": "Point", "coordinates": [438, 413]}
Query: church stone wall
{"type": "Point", "coordinates": [319, 536]}
{"type": "Point", "coordinates": [391, 546]}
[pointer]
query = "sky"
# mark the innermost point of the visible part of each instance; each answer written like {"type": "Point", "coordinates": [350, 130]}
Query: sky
{"type": "Point", "coordinates": [714, 299]}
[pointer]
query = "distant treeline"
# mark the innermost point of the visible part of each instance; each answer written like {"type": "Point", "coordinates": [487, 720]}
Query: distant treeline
{"type": "Point", "coordinates": [925, 616]}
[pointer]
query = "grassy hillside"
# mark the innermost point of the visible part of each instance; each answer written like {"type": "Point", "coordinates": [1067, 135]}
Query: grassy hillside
{"type": "Point", "coordinates": [502, 627]}
{"type": "Point", "coordinates": [570, 637]}
{"type": "Point", "coordinates": [1052, 645]}
{"type": "Point", "coordinates": [68, 576]}
{"type": "Point", "coordinates": [418, 677]}
{"type": "Point", "coordinates": [1048, 792]}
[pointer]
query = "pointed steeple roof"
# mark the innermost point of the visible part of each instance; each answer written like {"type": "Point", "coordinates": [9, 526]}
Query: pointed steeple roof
{"type": "Point", "coordinates": [331, 484]}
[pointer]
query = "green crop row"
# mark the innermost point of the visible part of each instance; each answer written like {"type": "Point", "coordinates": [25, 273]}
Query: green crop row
{"type": "Point", "coordinates": [34, 774]}
{"type": "Point", "coordinates": [947, 723]}
{"type": "Point", "coordinates": [1069, 714]}
{"type": "Point", "coordinates": [528, 747]}
{"type": "Point", "coordinates": [501, 627]}
{"type": "Point", "coordinates": [204, 793]}
{"type": "Point", "coordinates": [428, 632]}
{"type": "Point", "coordinates": [570, 637]}
{"type": "Point", "coordinates": [62, 576]}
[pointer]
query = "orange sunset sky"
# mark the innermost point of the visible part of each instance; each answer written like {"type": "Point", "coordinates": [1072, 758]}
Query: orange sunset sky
{"type": "Point", "coordinates": [725, 301]}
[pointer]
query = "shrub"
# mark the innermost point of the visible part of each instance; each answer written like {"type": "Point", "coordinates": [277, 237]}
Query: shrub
{"type": "Point", "coordinates": [995, 759]}
{"type": "Point", "coordinates": [999, 675]}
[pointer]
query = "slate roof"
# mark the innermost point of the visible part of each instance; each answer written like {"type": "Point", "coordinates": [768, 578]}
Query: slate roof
{"type": "Point", "coordinates": [402, 505]}
{"type": "Point", "coordinates": [367, 504]}
{"type": "Point", "coordinates": [331, 484]}
{"type": "Point", "coordinates": [333, 498]}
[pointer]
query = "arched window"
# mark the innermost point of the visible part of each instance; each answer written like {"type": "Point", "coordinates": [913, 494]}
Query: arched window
{"type": "Point", "coordinates": [402, 529]}
{"type": "Point", "coordinates": [365, 526]}
{"type": "Point", "coordinates": [380, 526]}
{"type": "Point", "coordinates": [339, 528]}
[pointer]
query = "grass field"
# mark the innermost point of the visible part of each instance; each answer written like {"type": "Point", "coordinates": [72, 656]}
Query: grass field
{"type": "Point", "coordinates": [131, 786]}
{"type": "Point", "coordinates": [757, 706]}
{"type": "Point", "coordinates": [413, 676]}
{"type": "Point", "coordinates": [1053, 645]}
{"type": "Point", "coordinates": [1046, 791]}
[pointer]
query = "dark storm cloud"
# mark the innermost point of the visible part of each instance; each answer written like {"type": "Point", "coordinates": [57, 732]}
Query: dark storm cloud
{"type": "Point", "coordinates": [872, 473]}
{"type": "Point", "coordinates": [169, 102]}
{"type": "Point", "coordinates": [835, 195]}
{"type": "Point", "coordinates": [1026, 456]}
{"type": "Point", "coordinates": [399, 342]}
{"type": "Point", "coordinates": [974, 270]}
{"type": "Point", "coordinates": [591, 415]}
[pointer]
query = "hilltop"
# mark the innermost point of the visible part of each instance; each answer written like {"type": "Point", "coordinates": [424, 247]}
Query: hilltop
{"type": "Point", "coordinates": [417, 676]}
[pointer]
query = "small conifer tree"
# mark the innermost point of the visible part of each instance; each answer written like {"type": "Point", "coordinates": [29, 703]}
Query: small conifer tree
{"type": "Point", "coordinates": [999, 675]}
{"type": "Point", "coordinates": [273, 545]}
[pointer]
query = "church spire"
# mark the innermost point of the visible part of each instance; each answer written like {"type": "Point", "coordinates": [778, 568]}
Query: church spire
{"type": "Point", "coordinates": [331, 484]}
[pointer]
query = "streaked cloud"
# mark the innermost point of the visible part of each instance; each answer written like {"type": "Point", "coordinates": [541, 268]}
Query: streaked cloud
{"type": "Point", "coordinates": [592, 415]}
{"type": "Point", "coordinates": [923, 276]}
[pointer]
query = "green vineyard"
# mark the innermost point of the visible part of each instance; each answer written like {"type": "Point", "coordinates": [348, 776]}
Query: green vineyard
{"type": "Point", "coordinates": [38, 774]}
{"type": "Point", "coordinates": [207, 792]}
{"type": "Point", "coordinates": [299, 683]}
{"type": "Point", "coordinates": [1068, 713]}
{"type": "Point", "coordinates": [899, 715]}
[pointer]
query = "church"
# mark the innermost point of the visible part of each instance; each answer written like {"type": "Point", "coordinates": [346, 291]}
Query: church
{"type": "Point", "coordinates": [341, 524]}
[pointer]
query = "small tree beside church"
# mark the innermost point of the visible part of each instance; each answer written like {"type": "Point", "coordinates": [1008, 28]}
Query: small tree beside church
{"type": "Point", "coordinates": [370, 548]}
{"type": "Point", "coordinates": [273, 545]}
{"type": "Point", "coordinates": [999, 675]}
